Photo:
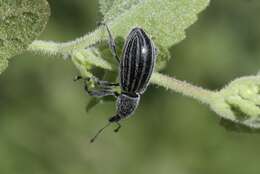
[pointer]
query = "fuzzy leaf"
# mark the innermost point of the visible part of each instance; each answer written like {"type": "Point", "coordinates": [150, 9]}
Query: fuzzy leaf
{"type": "Point", "coordinates": [21, 21]}
{"type": "Point", "coordinates": [165, 21]}
{"type": "Point", "coordinates": [105, 6]}
{"type": "Point", "coordinates": [113, 8]}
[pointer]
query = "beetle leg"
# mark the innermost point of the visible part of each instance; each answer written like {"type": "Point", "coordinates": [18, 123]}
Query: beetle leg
{"type": "Point", "coordinates": [111, 43]}
{"type": "Point", "coordinates": [101, 93]}
{"type": "Point", "coordinates": [77, 78]}
{"type": "Point", "coordinates": [106, 88]}
{"type": "Point", "coordinates": [118, 127]}
{"type": "Point", "coordinates": [104, 83]}
{"type": "Point", "coordinates": [97, 81]}
{"type": "Point", "coordinates": [104, 91]}
{"type": "Point", "coordinates": [96, 93]}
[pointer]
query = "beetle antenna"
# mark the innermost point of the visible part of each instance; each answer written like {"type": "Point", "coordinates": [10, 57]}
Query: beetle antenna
{"type": "Point", "coordinates": [100, 130]}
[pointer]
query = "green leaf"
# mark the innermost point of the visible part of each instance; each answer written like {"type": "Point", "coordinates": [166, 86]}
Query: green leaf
{"type": "Point", "coordinates": [21, 22]}
{"type": "Point", "coordinates": [164, 21]}
{"type": "Point", "coordinates": [105, 6]}
{"type": "Point", "coordinates": [113, 8]}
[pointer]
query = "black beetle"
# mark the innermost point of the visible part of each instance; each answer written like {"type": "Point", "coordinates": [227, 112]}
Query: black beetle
{"type": "Point", "coordinates": [136, 67]}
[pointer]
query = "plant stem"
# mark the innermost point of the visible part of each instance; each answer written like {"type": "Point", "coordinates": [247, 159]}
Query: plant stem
{"type": "Point", "coordinates": [55, 48]}
{"type": "Point", "coordinates": [45, 47]}
{"type": "Point", "coordinates": [183, 87]}
{"type": "Point", "coordinates": [52, 48]}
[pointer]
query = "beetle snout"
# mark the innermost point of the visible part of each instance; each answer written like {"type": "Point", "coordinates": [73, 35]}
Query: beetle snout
{"type": "Point", "coordinates": [115, 118]}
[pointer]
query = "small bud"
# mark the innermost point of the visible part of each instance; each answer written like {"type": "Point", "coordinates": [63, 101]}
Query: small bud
{"type": "Point", "coordinates": [239, 101]}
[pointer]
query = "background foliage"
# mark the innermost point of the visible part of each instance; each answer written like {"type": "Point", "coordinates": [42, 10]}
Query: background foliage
{"type": "Point", "coordinates": [20, 23]}
{"type": "Point", "coordinates": [44, 128]}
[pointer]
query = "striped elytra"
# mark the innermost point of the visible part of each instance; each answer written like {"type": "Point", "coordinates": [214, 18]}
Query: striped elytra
{"type": "Point", "coordinates": [137, 62]}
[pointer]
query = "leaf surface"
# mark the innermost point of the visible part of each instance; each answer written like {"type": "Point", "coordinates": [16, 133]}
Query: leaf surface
{"type": "Point", "coordinates": [21, 22]}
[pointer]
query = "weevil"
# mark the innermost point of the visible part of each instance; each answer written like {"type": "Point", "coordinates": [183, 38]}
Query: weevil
{"type": "Point", "coordinates": [135, 69]}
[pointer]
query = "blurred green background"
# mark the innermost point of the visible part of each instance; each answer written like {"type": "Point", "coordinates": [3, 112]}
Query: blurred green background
{"type": "Point", "coordinates": [44, 128]}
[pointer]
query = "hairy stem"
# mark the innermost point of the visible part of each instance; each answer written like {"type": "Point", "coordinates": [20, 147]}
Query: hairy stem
{"type": "Point", "coordinates": [55, 48]}
{"type": "Point", "coordinates": [45, 47]}
{"type": "Point", "coordinates": [183, 87]}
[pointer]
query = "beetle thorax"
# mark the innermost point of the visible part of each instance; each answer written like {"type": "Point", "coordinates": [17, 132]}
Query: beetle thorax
{"type": "Point", "coordinates": [126, 104]}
